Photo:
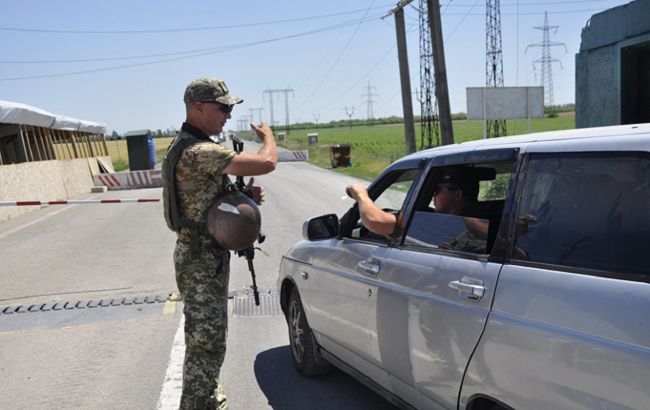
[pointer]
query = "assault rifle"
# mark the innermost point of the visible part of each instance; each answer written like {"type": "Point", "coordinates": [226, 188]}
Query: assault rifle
{"type": "Point", "coordinates": [248, 253]}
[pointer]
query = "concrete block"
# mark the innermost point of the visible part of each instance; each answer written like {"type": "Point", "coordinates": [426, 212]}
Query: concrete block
{"type": "Point", "coordinates": [98, 189]}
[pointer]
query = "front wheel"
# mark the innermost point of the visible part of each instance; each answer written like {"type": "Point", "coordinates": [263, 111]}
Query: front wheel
{"type": "Point", "coordinates": [306, 357]}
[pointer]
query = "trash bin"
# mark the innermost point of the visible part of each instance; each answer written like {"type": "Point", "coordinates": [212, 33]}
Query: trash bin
{"type": "Point", "coordinates": [152, 152]}
{"type": "Point", "coordinates": [142, 152]}
{"type": "Point", "coordinates": [340, 155]}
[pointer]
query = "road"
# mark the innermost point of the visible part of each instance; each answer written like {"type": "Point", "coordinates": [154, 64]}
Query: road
{"type": "Point", "coordinates": [102, 335]}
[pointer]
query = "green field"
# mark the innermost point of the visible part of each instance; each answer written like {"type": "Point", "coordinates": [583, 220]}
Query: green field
{"type": "Point", "coordinates": [372, 147]}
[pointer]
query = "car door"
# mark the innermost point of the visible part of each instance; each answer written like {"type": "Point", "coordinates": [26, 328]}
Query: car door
{"type": "Point", "coordinates": [569, 327]}
{"type": "Point", "coordinates": [434, 299]}
{"type": "Point", "coordinates": [343, 278]}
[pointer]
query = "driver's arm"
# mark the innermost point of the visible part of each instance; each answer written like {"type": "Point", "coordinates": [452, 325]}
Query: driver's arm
{"type": "Point", "coordinates": [373, 217]}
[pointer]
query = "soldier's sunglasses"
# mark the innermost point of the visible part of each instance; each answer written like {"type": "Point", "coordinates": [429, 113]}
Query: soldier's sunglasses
{"type": "Point", "coordinates": [224, 108]}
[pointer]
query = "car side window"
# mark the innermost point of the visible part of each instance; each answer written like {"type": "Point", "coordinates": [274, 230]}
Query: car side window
{"type": "Point", "coordinates": [471, 230]}
{"type": "Point", "coordinates": [390, 199]}
{"type": "Point", "coordinates": [586, 211]}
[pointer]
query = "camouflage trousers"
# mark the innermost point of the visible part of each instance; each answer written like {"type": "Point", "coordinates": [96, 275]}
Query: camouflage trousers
{"type": "Point", "coordinates": [203, 283]}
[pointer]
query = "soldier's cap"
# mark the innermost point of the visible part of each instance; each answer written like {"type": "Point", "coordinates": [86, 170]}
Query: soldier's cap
{"type": "Point", "coordinates": [209, 89]}
{"type": "Point", "coordinates": [461, 178]}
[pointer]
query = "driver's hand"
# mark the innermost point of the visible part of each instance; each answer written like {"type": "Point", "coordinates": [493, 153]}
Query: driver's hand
{"type": "Point", "coordinates": [356, 191]}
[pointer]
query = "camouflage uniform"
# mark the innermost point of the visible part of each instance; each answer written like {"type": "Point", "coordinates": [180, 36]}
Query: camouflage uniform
{"type": "Point", "coordinates": [202, 279]}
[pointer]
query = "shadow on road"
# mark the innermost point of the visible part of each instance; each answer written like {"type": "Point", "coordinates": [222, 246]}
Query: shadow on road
{"type": "Point", "coordinates": [286, 389]}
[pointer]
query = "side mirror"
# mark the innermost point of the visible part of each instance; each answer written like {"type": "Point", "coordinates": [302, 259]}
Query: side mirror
{"type": "Point", "coordinates": [321, 227]}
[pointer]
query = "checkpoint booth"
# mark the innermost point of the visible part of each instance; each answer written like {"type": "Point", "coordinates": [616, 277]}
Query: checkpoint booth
{"type": "Point", "coordinates": [30, 134]}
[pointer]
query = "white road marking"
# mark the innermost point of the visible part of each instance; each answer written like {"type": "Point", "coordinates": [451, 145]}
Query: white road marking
{"type": "Point", "coordinates": [170, 395]}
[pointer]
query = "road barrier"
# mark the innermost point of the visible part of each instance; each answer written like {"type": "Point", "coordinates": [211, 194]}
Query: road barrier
{"type": "Point", "coordinates": [78, 202]}
{"type": "Point", "coordinates": [130, 180]}
{"type": "Point", "coordinates": [288, 156]}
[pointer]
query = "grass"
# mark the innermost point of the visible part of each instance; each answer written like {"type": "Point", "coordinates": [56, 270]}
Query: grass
{"type": "Point", "coordinates": [375, 147]}
{"type": "Point", "coordinates": [372, 147]}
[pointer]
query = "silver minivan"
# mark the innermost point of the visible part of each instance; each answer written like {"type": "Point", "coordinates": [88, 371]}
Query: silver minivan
{"type": "Point", "coordinates": [546, 309]}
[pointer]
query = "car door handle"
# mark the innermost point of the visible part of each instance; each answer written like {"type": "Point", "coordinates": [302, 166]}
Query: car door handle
{"type": "Point", "coordinates": [370, 267]}
{"type": "Point", "coordinates": [469, 288]}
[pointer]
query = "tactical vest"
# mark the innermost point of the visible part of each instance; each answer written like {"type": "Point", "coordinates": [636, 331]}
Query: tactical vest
{"type": "Point", "coordinates": [176, 221]}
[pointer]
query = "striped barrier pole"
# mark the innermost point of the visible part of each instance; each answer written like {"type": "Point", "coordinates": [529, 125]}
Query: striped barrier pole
{"type": "Point", "coordinates": [78, 201]}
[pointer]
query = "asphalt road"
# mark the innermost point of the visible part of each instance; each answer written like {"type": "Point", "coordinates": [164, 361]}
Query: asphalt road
{"type": "Point", "coordinates": [101, 334]}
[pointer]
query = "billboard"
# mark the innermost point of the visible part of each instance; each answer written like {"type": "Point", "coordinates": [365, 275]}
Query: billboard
{"type": "Point", "coordinates": [502, 103]}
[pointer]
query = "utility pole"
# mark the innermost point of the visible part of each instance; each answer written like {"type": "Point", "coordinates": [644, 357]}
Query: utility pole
{"type": "Point", "coordinates": [349, 114]}
{"type": "Point", "coordinates": [442, 91]}
{"type": "Point", "coordinates": [405, 80]}
{"type": "Point", "coordinates": [286, 92]}
{"type": "Point", "coordinates": [316, 118]}
{"type": "Point", "coordinates": [259, 114]}
{"type": "Point", "coordinates": [546, 60]}
{"type": "Point", "coordinates": [369, 101]}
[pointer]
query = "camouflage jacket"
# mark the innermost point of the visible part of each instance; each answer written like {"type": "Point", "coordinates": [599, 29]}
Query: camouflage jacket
{"type": "Point", "coordinates": [199, 179]}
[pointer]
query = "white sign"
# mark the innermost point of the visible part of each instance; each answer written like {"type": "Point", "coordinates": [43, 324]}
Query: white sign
{"type": "Point", "coordinates": [501, 103]}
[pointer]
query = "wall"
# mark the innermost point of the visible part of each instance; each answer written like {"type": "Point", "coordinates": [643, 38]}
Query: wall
{"type": "Point", "coordinates": [598, 64]}
{"type": "Point", "coordinates": [43, 181]}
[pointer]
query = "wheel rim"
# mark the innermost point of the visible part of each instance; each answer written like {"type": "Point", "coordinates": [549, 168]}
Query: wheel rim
{"type": "Point", "coordinates": [296, 332]}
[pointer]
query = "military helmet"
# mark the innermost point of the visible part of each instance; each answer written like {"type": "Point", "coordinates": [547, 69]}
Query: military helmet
{"type": "Point", "coordinates": [234, 221]}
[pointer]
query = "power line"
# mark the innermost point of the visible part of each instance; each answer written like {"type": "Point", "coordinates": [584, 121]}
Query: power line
{"type": "Point", "coordinates": [192, 54]}
{"type": "Point", "coordinates": [322, 29]}
{"type": "Point", "coordinates": [188, 29]}
{"type": "Point", "coordinates": [338, 58]}
{"type": "Point", "coordinates": [457, 4]}
{"type": "Point", "coordinates": [353, 86]}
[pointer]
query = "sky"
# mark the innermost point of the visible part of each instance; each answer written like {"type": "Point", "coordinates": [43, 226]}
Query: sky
{"type": "Point", "coordinates": [127, 63]}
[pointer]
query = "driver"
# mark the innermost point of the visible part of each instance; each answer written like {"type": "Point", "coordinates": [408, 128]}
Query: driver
{"type": "Point", "coordinates": [456, 194]}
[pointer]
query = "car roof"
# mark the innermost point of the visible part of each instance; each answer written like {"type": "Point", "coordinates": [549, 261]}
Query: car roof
{"type": "Point", "coordinates": [622, 132]}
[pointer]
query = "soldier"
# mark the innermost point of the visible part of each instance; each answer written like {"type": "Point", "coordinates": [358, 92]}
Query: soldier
{"type": "Point", "coordinates": [194, 176]}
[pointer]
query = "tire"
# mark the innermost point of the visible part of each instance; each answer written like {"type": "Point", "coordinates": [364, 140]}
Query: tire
{"type": "Point", "coordinates": [304, 349]}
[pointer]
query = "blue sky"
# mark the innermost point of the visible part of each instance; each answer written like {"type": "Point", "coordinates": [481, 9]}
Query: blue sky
{"type": "Point", "coordinates": [328, 52]}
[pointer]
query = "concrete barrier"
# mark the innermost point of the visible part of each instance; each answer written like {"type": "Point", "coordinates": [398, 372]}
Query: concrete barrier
{"type": "Point", "coordinates": [44, 180]}
{"type": "Point", "coordinates": [130, 179]}
{"type": "Point", "coordinates": [287, 156]}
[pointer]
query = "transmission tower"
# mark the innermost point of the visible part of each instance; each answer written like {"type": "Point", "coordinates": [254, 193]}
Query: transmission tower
{"type": "Point", "coordinates": [494, 60]}
{"type": "Point", "coordinates": [286, 92]}
{"type": "Point", "coordinates": [369, 101]}
{"type": "Point", "coordinates": [428, 105]}
{"type": "Point", "coordinates": [546, 60]}
{"type": "Point", "coordinates": [259, 114]}
{"type": "Point", "coordinates": [349, 112]}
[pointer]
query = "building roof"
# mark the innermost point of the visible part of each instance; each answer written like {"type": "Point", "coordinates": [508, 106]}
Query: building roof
{"type": "Point", "coordinates": [23, 114]}
{"type": "Point", "coordinates": [136, 133]}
